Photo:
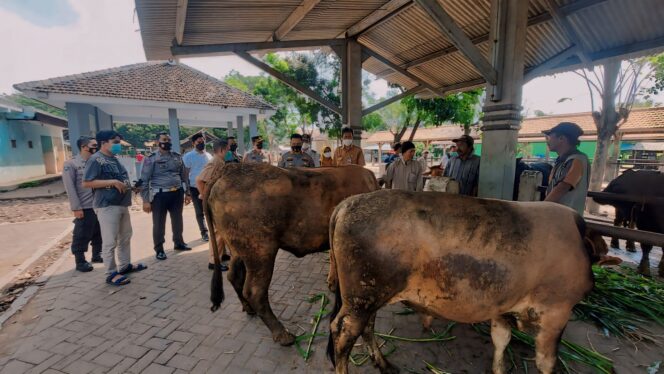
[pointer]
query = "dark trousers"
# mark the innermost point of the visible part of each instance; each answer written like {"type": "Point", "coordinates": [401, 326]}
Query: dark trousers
{"type": "Point", "coordinates": [198, 207]}
{"type": "Point", "coordinates": [163, 203]}
{"type": "Point", "coordinates": [86, 231]}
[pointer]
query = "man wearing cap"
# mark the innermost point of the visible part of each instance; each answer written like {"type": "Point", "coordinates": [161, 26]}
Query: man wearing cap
{"type": "Point", "coordinates": [257, 154]}
{"type": "Point", "coordinates": [295, 158]}
{"type": "Point", "coordinates": [111, 193]}
{"type": "Point", "coordinates": [465, 167]}
{"type": "Point", "coordinates": [348, 153]}
{"type": "Point", "coordinates": [166, 189]}
{"type": "Point", "coordinates": [568, 181]}
{"type": "Point", "coordinates": [306, 148]}
{"type": "Point", "coordinates": [86, 225]}
{"type": "Point", "coordinates": [405, 173]}
{"type": "Point", "coordinates": [194, 162]}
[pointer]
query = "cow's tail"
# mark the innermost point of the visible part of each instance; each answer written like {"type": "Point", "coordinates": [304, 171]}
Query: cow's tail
{"type": "Point", "coordinates": [217, 286]}
{"type": "Point", "coordinates": [333, 284]}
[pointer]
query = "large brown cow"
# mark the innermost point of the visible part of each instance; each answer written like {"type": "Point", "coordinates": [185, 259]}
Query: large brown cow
{"type": "Point", "coordinates": [258, 208]}
{"type": "Point", "coordinates": [459, 258]}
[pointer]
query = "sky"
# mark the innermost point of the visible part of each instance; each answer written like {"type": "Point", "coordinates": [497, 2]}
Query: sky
{"type": "Point", "coordinates": [50, 38]}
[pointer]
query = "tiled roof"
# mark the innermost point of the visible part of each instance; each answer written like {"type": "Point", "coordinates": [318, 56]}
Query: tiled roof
{"type": "Point", "coordinates": [650, 120]}
{"type": "Point", "coordinates": [639, 120]}
{"type": "Point", "coordinates": [155, 81]}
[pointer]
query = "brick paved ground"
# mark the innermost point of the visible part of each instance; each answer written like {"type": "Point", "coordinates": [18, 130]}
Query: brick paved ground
{"type": "Point", "coordinates": [161, 323]}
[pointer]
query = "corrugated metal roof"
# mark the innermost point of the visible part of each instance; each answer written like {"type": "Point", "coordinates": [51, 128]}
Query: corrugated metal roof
{"type": "Point", "coordinates": [409, 35]}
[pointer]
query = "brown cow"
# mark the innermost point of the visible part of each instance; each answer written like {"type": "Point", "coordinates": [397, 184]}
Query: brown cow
{"type": "Point", "coordinates": [459, 258]}
{"type": "Point", "coordinates": [258, 208]}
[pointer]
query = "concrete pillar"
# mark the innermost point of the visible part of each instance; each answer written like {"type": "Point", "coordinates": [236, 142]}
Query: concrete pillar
{"type": "Point", "coordinates": [104, 120]}
{"type": "Point", "coordinates": [240, 135]}
{"type": "Point", "coordinates": [352, 89]}
{"type": "Point", "coordinates": [253, 125]}
{"type": "Point", "coordinates": [229, 129]}
{"type": "Point", "coordinates": [502, 107]}
{"type": "Point", "coordinates": [81, 120]}
{"type": "Point", "coordinates": [174, 127]}
{"type": "Point", "coordinates": [380, 153]}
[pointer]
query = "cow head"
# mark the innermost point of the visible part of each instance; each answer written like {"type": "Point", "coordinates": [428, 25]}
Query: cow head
{"type": "Point", "coordinates": [598, 250]}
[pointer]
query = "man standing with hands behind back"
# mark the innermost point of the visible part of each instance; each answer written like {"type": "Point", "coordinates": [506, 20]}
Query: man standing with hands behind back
{"type": "Point", "coordinates": [86, 225]}
{"type": "Point", "coordinates": [165, 189]}
{"type": "Point", "coordinates": [348, 153]}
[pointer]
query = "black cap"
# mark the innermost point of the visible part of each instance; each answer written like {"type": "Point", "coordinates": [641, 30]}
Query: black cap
{"type": "Point", "coordinates": [256, 138]}
{"type": "Point", "coordinates": [466, 139]}
{"type": "Point", "coordinates": [569, 129]}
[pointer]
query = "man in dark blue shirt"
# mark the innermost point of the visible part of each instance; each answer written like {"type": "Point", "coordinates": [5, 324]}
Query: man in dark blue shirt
{"type": "Point", "coordinates": [111, 200]}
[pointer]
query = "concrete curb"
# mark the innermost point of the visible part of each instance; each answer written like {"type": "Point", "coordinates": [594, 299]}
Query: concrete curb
{"type": "Point", "coordinates": [7, 278]}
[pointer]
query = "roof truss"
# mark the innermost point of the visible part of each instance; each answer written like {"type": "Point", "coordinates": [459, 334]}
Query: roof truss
{"type": "Point", "coordinates": [294, 18]}
{"type": "Point", "coordinates": [392, 99]}
{"type": "Point", "coordinates": [569, 30]}
{"type": "Point", "coordinates": [180, 18]}
{"type": "Point", "coordinates": [389, 10]}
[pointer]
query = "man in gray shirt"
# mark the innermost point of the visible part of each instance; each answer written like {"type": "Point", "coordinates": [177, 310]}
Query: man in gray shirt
{"type": "Point", "coordinates": [86, 225]}
{"type": "Point", "coordinates": [405, 173]}
{"type": "Point", "coordinates": [295, 158]}
{"type": "Point", "coordinates": [464, 168]}
{"type": "Point", "coordinates": [165, 189]}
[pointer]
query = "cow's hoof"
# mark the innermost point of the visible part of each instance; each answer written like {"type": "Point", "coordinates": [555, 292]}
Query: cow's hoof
{"type": "Point", "coordinates": [631, 249]}
{"type": "Point", "coordinates": [615, 244]}
{"type": "Point", "coordinates": [247, 309]}
{"type": "Point", "coordinates": [284, 338]}
{"type": "Point", "coordinates": [644, 270]}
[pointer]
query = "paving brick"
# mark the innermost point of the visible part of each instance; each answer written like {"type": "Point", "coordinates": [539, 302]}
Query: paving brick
{"type": "Point", "coordinates": [168, 353]}
{"type": "Point", "coordinates": [157, 343]}
{"type": "Point", "coordinates": [158, 369]}
{"type": "Point", "coordinates": [133, 351]}
{"type": "Point", "coordinates": [144, 361]}
{"type": "Point", "coordinates": [183, 362]}
{"type": "Point", "coordinates": [35, 356]}
{"type": "Point", "coordinates": [80, 367]}
{"type": "Point", "coordinates": [16, 366]}
{"type": "Point", "coordinates": [122, 366]}
{"type": "Point", "coordinates": [65, 348]}
{"type": "Point", "coordinates": [180, 336]}
{"type": "Point", "coordinates": [108, 359]}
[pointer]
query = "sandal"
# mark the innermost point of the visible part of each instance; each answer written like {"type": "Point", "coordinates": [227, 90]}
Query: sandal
{"type": "Point", "coordinates": [118, 282]}
{"type": "Point", "coordinates": [132, 268]}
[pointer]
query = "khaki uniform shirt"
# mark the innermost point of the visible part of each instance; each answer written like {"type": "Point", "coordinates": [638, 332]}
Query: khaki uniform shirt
{"type": "Point", "coordinates": [257, 157]}
{"type": "Point", "coordinates": [351, 155]}
{"type": "Point", "coordinates": [405, 175]}
{"type": "Point", "coordinates": [296, 160]}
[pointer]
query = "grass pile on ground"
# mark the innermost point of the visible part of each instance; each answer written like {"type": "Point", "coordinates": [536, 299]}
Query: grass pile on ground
{"type": "Point", "coordinates": [623, 303]}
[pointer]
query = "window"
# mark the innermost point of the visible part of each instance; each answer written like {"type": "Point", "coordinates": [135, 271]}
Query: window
{"type": "Point", "coordinates": [29, 143]}
{"type": "Point", "coordinates": [13, 143]}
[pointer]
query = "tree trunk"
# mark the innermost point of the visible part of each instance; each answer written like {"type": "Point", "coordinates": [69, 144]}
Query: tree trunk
{"type": "Point", "coordinates": [415, 126]}
{"type": "Point", "coordinates": [466, 129]}
{"type": "Point", "coordinates": [399, 135]}
{"type": "Point", "coordinates": [606, 122]}
{"type": "Point", "coordinates": [612, 162]}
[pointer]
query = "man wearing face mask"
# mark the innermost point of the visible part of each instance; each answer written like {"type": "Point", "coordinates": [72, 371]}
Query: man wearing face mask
{"type": "Point", "coordinates": [348, 153]}
{"type": "Point", "coordinates": [231, 154]}
{"type": "Point", "coordinates": [296, 158]}
{"type": "Point", "coordinates": [166, 188]}
{"type": "Point", "coordinates": [194, 162]}
{"type": "Point", "coordinates": [306, 148]}
{"type": "Point", "coordinates": [257, 153]}
{"type": "Point", "coordinates": [86, 225]}
{"type": "Point", "coordinates": [405, 173]}
{"type": "Point", "coordinates": [109, 181]}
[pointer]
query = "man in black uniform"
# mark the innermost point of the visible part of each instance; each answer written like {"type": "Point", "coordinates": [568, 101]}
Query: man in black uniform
{"type": "Point", "coordinates": [166, 187]}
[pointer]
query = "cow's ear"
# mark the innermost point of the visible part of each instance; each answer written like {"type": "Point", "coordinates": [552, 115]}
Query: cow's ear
{"type": "Point", "coordinates": [605, 260]}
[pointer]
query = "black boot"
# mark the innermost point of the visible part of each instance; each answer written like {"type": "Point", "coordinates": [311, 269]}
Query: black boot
{"type": "Point", "coordinates": [82, 265]}
{"type": "Point", "coordinates": [96, 257]}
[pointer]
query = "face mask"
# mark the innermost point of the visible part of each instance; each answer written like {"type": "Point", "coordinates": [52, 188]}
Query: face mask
{"type": "Point", "coordinates": [347, 142]}
{"type": "Point", "coordinates": [305, 146]}
{"type": "Point", "coordinates": [92, 150]}
{"type": "Point", "coordinates": [297, 148]}
{"type": "Point", "coordinates": [328, 154]}
{"type": "Point", "coordinates": [233, 147]}
{"type": "Point", "coordinates": [200, 146]}
{"type": "Point", "coordinates": [454, 154]}
{"type": "Point", "coordinates": [229, 156]}
{"type": "Point", "coordinates": [116, 148]}
{"type": "Point", "coordinates": [259, 145]}
{"type": "Point", "coordinates": [166, 146]}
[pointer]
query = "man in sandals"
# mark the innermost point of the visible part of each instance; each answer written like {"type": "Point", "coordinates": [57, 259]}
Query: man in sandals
{"type": "Point", "coordinates": [111, 200]}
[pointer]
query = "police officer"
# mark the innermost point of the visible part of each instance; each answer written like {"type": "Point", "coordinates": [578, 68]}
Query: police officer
{"type": "Point", "coordinates": [86, 225]}
{"type": "Point", "coordinates": [165, 189]}
{"type": "Point", "coordinates": [257, 154]}
{"type": "Point", "coordinates": [306, 148]}
{"type": "Point", "coordinates": [295, 158]}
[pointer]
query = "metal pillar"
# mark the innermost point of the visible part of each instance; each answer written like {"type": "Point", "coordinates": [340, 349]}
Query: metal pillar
{"type": "Point", "coordinates": [502, 107]}
{"type": "Point", "coordinates": [240, 135]}
{"type": "Point", "coordinates": [253, 125]}
{"type": "Point", "coordinates": [174, 127]}
{"type": "Point", "coordinates": [352, 89]}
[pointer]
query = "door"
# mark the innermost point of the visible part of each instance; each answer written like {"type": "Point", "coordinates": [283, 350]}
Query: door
{"type": "Point", "coordinates": [48, 154]}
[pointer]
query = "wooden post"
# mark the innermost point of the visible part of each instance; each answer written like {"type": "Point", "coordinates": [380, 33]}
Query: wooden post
{"type": "Point", "coordinates": [502, 108]}
{"type": "Point", "coordinates": [353, 89]}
